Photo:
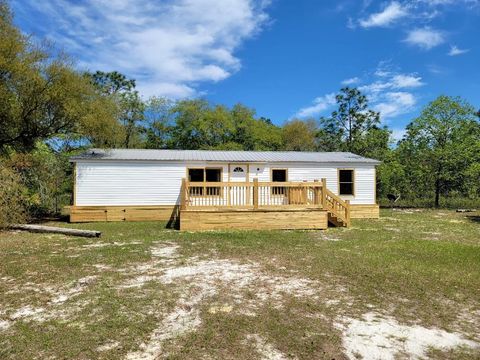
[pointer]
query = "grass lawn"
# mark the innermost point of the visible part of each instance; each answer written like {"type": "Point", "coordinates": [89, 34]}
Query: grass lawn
{"type": "Point", "coordinates": [404, 286]}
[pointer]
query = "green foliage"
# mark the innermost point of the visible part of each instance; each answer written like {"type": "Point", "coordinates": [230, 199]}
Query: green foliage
{"type": "Point", "coordinates": [158, 121]}
{"type": "Point", "coordinates": [440, 150]}
{"type": "Point", "coordinates": [12, 197]}
{"type": "Point", "coordinates": [353, 126]}
{"type": "Point", "coordinates": [129, 108]}
{"type": "Point", "coordinates": [298, 135]}
{"type": "Point", "coordinates": [45, 176]}
{"type": "Point", "coordinates": [195, 124]}
{"type": "Point", "coordinates": [41, 96]}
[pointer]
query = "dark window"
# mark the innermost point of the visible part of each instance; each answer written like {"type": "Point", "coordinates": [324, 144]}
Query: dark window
{"type": "Point", "coordinates": [345, 181]}
{"type": "Point", "coordinates": [195, 175]}
{"type": "Point", "coordinates": [279, 175]}
{"type": "Point", "coordinates": [205, 175]}
{"type": "Point", "coordinates": [213, 175]}
{"type": "Point", "coordinates": [238, 169]}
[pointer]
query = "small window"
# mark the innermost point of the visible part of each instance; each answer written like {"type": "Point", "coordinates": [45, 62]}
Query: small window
{"type": "Point", "coordinates": [279, 175]}
{"type": "Point", "coordinates": [195, 175]}
{"type": "Point", "coordinates": [205, 175]}
{"type": "Point", "coordinates": [345, 182]}
{"type": "Point", "coordinates": [238, 169]}
{"type": "Point", "coordinates": [213, 175]}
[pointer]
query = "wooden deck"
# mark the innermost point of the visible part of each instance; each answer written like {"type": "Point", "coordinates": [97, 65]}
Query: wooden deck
{"type": "Point", "coordinates": [260, 205]}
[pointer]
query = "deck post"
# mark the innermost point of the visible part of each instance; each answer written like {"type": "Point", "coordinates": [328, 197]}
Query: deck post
{"type": "Point", "coordinates": [324, 192]}
{"type": "Point", "coordinates": [347, 212]}
{"type": "Point", "coordinates": [183, 194]}
{"type": "Point", "coordinates": [255, 193]}
{"type": "Point", "coordinates": [316, 198]}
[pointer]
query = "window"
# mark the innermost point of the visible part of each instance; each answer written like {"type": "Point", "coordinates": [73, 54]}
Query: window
{"type": "Point", "coordinates": [195, 175]}
{"type": "Point", "coordinates": [238, 169]}
{"type": "Point", "coordinates": [279, 175]}
{"type": "Point", "coordinates": [345, 182]}
{"type": "Point", "coordinates": [205, 175]}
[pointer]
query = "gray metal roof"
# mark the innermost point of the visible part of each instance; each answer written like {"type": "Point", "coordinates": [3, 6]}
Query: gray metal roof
{"type": "Point", "coordinates": [222, 156]}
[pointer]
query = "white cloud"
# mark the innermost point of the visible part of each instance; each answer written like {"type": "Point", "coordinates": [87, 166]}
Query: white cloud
{"type": "Point", "coordinates": [390, 14]}
{"type": "Point", "coordinates": [389, 92]}
{"type": "Point", "coordinates": [401, 81]}
{"type": "Point", "coordinates": [426, 38]}
{"type": "Point", "coordinates": [398, 134]}
{"type": "Point", "coordinates": [454, 51]}
{"type": "Point", "coordinates": [351, 81]}
{"type": "Point", "coordinates": [168, 46]}
{"type": "Point", "coordinates": [391, 81]}
{"type": "Point", "coordinates": [395, 103]}
{"type": "Point", "coordinates": [319, 105]}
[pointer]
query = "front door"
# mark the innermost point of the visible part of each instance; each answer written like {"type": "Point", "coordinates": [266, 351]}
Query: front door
{"type": "Point", "coordinates": [239, 195]}
{"type": "Point", "coordinates": [238, 173]}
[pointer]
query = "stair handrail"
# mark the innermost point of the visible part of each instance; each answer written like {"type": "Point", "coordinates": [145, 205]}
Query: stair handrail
{"type": "Point", "coordinates": [337, 206]}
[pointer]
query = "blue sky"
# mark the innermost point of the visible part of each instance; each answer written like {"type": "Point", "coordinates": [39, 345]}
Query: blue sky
{"type": "Point", "coordinates": [284, 58]}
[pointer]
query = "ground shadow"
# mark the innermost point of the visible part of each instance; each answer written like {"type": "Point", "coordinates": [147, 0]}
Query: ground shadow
{"type": "Point", "coordinates": [474, 218]}
{"type": "Point", "coordinates": [174, 221]}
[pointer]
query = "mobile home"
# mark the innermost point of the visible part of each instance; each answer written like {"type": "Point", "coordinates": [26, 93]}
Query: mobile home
{"type": "Point", "coordinates": [224, 189]}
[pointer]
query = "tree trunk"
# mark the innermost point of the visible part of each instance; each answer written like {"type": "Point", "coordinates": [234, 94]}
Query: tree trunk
{"type": "Point", "coordinates": [437, 193]}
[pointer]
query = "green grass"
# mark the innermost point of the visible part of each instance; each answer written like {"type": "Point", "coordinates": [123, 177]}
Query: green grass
{"type": "Point", "coordinates": [420, 267]}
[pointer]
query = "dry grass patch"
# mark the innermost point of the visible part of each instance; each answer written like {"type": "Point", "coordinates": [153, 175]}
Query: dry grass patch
{"type": "Point", "coordinates": [406, 285]}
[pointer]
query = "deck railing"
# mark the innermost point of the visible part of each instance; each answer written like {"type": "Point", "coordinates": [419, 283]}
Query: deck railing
{"type": "Point", "coordinates": [263, 195]}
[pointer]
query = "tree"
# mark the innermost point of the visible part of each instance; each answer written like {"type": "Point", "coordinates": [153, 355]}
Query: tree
{"type": "Point", "coordinates": [112, 83]}
{"type": "Point", "coordinates": [130, 107]}
{"type": "Point", "coordinates": [12, 197]}
{"type": "Point", "coordinates": [441, 145]}
{"type": "Point", "coordinates": [299, 135]}
{"type": "Point", "coordinates": [41, 96]}
{"type": "Point", "coordinates": [254, 134]}
{"type": "Point", "coordinates": [158, 122]}
{"type": "Point", "coordinates": [353, 127]}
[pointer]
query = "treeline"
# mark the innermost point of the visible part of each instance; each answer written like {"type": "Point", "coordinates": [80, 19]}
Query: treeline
{"type": "Point", "coordinates": [50, 111]}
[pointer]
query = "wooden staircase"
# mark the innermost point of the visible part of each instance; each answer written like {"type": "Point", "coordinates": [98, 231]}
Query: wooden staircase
{"type": "Point", "coordinates": [338, 209]}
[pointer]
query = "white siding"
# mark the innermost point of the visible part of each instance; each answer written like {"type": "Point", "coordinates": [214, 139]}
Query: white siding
{"type": "Point", "coordinates": [158, 182]}
{"type": "Point", "coordinates": [128, 183]}
{"type": "Point", "coordinates": [364, 177]}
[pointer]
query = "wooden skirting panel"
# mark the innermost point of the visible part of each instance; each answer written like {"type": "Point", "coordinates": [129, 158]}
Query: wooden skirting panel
{"type": "Point", "coordinates": [194, 220]}
{"type": "Point", "coordinates": [364, 211]}
{"type": "Point", "coordinates": [122, 213]}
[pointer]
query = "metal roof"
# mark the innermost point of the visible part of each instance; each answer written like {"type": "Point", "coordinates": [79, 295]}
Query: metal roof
{"type": "Point", "coordinates": [222, 156]}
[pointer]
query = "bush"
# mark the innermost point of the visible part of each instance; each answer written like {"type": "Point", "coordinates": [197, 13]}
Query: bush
{"type": "Point", "coordinates": [450, 202]}
{"type": "Point", "coordinates": [12, 198]}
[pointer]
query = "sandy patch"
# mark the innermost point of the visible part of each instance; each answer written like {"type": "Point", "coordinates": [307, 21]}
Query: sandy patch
{"type": "Point", "coordinates": [183, 319]}
{"type": "Point", "coordinates": [165, 251]}
{"type": "Point", "coordinates": [115, 243]}
{"type": "Point", "coordinates": [4, 325]}
{"type": "Point", "coordinates": [108, 346]}
{"type": "Point", "coordinates": [26, 311]}
{"type": "Point", "coordinates": [79, 287]}
{"type": "Point", "coordinates": [58, 297]}
{"type": "Point", "coordinates": [200, 280]}
{"type": "Point", "coordinates": [383, 338]}
{"type": "Point", "coordinates": [265, 350]}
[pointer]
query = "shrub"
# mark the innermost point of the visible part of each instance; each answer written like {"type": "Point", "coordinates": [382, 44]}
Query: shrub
{"type": "Point", "coordinates": [12, 197]}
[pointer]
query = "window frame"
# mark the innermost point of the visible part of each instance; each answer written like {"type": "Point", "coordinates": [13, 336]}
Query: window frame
{"type": "Point", "coordinates": [278, 190]}
{"type": "Point", "coordinates": [346, 182]}
{"type": "Point", "coordinates": [205, 188]}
